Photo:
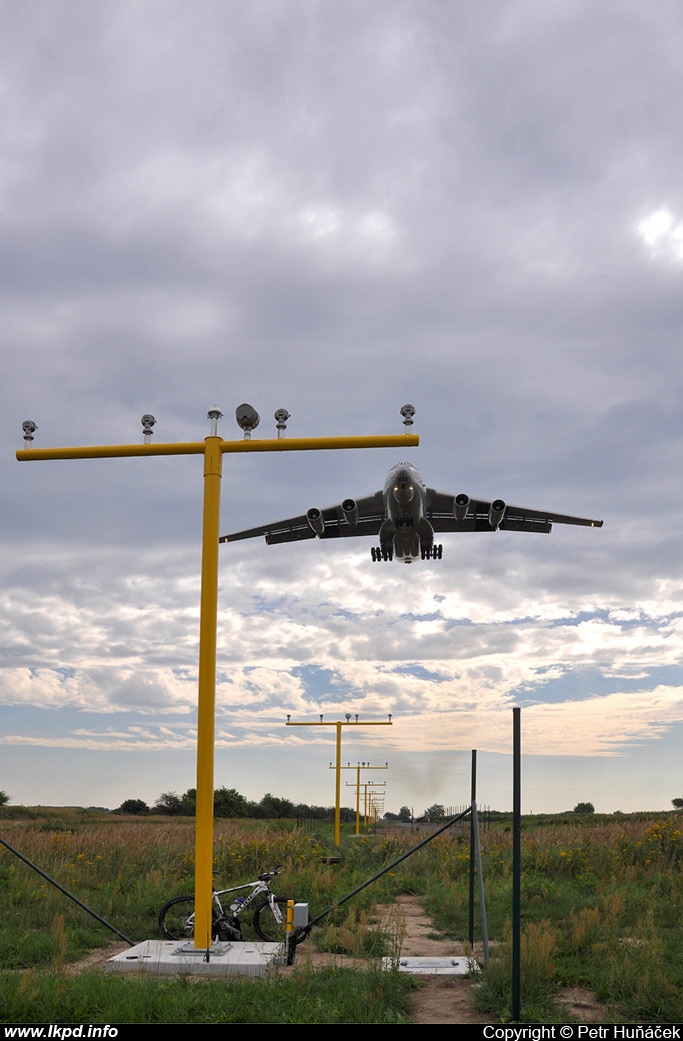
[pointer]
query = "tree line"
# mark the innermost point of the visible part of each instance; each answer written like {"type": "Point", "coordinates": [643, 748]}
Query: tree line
{"type": "Point", "coordinates": [228, 802]}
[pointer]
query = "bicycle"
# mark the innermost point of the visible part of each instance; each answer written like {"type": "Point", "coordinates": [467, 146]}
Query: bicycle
{"type": "Point", "coordinates": [176, 918]}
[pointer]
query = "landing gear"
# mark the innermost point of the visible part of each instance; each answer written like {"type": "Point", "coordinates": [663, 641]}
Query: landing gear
{"type": "Point", "coordinates": [380, 553]}
{"type": "Point", "coordinates": [431, 552]}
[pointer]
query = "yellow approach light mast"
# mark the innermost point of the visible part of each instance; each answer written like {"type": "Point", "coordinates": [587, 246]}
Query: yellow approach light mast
{"type": "Point", "coordinates": [338, 723]}
{"type": "Point", "coordinates": [212, 449]}
{"type": "Point", "coordinates": [357, 783]}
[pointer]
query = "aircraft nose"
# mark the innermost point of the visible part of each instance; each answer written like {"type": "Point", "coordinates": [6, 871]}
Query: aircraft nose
{"type": "Point", "coordinates": [403, 492]}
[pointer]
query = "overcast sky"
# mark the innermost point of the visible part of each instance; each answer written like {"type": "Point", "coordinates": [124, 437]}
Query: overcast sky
{"type": "Point", "coordinates": [338, 207]}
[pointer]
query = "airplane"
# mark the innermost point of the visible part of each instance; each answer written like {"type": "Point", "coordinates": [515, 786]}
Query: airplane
{"type": "Point", "coordinates": [405, 516]}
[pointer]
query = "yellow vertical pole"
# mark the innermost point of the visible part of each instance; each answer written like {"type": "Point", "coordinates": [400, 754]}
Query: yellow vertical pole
{"type": "Point", "coordinates": [206, 713]}
{"type": "Point", "coordinates": [337, 792]}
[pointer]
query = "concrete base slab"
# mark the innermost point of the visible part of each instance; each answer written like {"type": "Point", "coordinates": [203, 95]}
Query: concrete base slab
{"type": "Point", "coordinates": [179, 956]}
{"type": "Point", "coordinates": [433, 966]}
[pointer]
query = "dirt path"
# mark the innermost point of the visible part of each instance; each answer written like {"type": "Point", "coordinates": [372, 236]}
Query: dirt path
{"type": "Point", "coordinates": [448, 999]}
{"type": "Point", "coordinates": [440, 999]}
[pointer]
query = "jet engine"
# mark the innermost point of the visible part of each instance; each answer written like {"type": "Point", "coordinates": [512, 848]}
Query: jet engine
{"type": "Point", "coordinates": [461, 505]}
{"type": "Point", "coordinates": [315, 520]}
{"type": "Point", "coordinates": [496, 512]}
{"type": "Point", "coordinates": [350, 511]}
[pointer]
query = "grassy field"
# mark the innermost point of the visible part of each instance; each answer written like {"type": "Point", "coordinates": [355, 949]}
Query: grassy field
{"type": "Point", "coordinates": [601, 907]}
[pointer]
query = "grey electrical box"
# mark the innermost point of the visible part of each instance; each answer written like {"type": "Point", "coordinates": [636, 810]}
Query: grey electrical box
{"type": "Point", "coordinates": [300, 916]}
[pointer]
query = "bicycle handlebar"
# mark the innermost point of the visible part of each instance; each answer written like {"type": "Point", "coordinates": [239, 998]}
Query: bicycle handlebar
{"type": "Point", "coordinates": [267, 875]}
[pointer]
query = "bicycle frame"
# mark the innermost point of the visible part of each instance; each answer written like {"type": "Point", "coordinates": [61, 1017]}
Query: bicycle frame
{"type": "Point", "coordinates": [257, 889]}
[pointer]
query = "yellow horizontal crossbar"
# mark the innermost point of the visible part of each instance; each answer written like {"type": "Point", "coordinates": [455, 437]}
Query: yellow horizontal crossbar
{"type": "Point", "coordinates": [344, 723]}
{"type": "Point", "coordinates": [275, 444]}
{"type": "Point", "coordinates": [111, 451]}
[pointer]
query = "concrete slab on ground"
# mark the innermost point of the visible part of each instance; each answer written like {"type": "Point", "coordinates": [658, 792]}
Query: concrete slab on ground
{"type": "Point", "coordinates": [179, 956]}
{"type": "Point", "coordinates": [433, 966]}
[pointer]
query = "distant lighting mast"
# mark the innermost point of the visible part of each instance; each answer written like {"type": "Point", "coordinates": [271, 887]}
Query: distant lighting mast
{"type": "Point", "coordinates": [357, 784]}
{"type": "Point", "coordinates": [338, 767]}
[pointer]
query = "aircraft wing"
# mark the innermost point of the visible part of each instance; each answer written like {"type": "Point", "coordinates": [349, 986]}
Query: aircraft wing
{"type": "Point", "coordinates": [338, 521]}
{"type": "Point", "coordinates": [440, 512]}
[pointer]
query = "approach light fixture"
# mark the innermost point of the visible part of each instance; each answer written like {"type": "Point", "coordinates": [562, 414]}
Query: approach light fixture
{"type": "Point", "coordinates": [247, 418]}
{"type": "Point", "coordinates": [148, 421]}
{"type": "Point", "coordinates": [281, 417]}
{"type": "Point", "coordinates": [408, 411]}
{"type": "Point", "coordinates": [29, 428]}
{"type": "Point", "coordinates": [214, 414]}
{"type": "Point", "coordinates": [348, 717]}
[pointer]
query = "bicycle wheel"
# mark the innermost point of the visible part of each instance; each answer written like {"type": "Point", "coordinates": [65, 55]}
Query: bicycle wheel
{"type": "Point", "coordinates": [176, 918]}
{"type": "Point", "coordinates": [268, 928]}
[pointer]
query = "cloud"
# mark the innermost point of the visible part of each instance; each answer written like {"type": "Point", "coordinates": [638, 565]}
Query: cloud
{"type": "Point", "coordinates": [338, 209]}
